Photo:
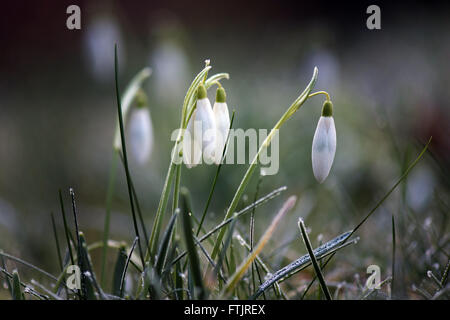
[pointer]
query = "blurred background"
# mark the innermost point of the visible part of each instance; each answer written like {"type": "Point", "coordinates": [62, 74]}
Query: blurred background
{"type": "Point", "coordinates": [390, 89]}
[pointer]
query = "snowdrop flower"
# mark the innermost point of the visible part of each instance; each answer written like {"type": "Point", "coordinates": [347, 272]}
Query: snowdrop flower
{"type": "Point", "coordinates": [324, 143]}
{"type": "Point", "coordinates": [200, 133]}
{"type": "Point", "coordinates": [141, 131]}
{"type": "Point", "coordinates": [222, 117]}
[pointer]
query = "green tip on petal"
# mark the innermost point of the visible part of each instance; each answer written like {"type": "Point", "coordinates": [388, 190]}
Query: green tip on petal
{"type": "Point", "coordinates": [221, 96]}
{"type": "Point", "coordinates": [201, 92]}
{"type": "Point", "coordinates": [141, 99]}
{"type": "Point", "coordinates": [327, 109]}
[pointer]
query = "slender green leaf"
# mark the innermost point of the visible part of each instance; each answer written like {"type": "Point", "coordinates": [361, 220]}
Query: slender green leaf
{"type": "Point", "coordinates": [288, 205]}
{"type": "Point", "coordinates": [319, 274]}
{"type": "Point", "coordinates": [16, 289]}
{"type": "Point", "coordinates": [118, 270]}
{"type": "Point", "coordinates": [165, 244]}
{"type": "Point", "coordinates": [303, 262]}
{"type": "Point", "coordinates": [124, 151]}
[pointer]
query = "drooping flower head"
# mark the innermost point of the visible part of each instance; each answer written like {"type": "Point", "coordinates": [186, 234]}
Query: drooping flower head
{"type": "Point", "coordinates": [324, 143]}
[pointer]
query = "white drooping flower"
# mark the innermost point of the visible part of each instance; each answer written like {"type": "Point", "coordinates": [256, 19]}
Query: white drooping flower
{"type": "Point", "coordinates": [141, 134]}
{"type": "Point", "coordinates": [199, 139]}
{"type": "Point", "coordinates": [324, 143]}
{"type": "Point", "coordinates": [222, 117]}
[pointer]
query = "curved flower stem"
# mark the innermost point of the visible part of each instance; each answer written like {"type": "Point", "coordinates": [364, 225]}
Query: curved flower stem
{"type": "Point", "coordinates": [320, 92]}
{"type": "Point", "coordinates": [245, 180]}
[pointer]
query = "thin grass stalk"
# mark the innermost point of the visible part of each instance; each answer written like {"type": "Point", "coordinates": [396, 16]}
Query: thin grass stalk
{"type": "Point", "coordinates": [66, 228]}
{"type": "Point", "coordinates": [109, 197]}
{"type": "Point", "coordinates": [122, 280]}
{"type": "Point", "coordinates": [315, 264]}
{"type": "Point", "coordinates": [138, 206]}
{"type": "Point", "coordinates": [55, 234]}
{"type": "Point", "coordinates": [393, 255]}
{"type": "Point", "coordinates": [124, 151]}
{"type": "Point", "coordinates": [82, 292]}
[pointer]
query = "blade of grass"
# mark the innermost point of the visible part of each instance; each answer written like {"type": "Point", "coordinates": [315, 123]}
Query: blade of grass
{"type": "Point", "coordinates": [223, 252]}
{"type": "Point", "coordinates": [208, 257]}
{"type": "Point", "coordinates": [393, 255]}
{"type": "Point", "coordinates": [109, 197]}
{"type": "Point", "coordinates": [402, 177]}
{"type": "Point", "coordinates": [194, 261]}
{"type": "Point", "coordinates": [165, 245]}
{"type": "Point", "coordinates": [303, 262]}
{"type": "Point", "coordinates": [288, 205]}
{"type": "Point", "coordinates": [138, 206]}
{"type": "Point", "coordinates": [178, 281]}
{"type": "Point", "coordinates": [124, 273]}
{"type": "Point", "coordinates": [118, 270]}
{"type": "Point", "coordinates": [260, 201]}
{"type": "Point", "coordinates": [319, 274]}
{"type": "Point", "coordinates": [16, 289]}
{"type": "Point", "coordinates": [79, 254]}
{"type": "Point", "coordinates": [90, 274]}
{"type": "Point", "coordinates": [127, 98]}
{"type": "Point", "coordinates": [43, 288]}
{"type": "Point", "coordinates": [8, 283]}
{"type": "Point", "coordinates": [252, 231]}
{"type": "Point", "coordinates": [28, 288]}
{"type": "Point", "coordinates": [266, 269]}
{"type": "Point", "coordinates": [213, 187]}
{"type": "Point", "coordinates": [124, 151]}
{"type": "Point", "coordinates": [445, 274]}
{"type": "Point", "coordinates": [25, 263]}
{"type": "Point", "coordinates": [55, 234]}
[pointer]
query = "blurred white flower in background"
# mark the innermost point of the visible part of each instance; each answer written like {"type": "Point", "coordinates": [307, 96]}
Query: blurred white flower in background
{"type": "Point", "coordinates": [141, 134]}
{"type": "Point", "coordinates": [420, 188]}
{"type": "Point", "coordinates": [99, 37]}
{"type": "Point", "coordinates": [170, 66]}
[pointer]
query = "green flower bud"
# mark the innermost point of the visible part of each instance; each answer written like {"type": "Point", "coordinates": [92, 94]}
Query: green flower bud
{"type": "Point", "coordinates": [201, 92]}
{"type": "Point", "coordinates": [221, 96]}
{"type": "Point", "coordinates": [327, 109]}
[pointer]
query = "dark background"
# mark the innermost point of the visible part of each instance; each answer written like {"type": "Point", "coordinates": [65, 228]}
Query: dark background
{"type": "Point", "coordinates": [390, 89]}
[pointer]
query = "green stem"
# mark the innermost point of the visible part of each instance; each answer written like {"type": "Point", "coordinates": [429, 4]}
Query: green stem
{"type": "Point", "coordinates": [124, 152]}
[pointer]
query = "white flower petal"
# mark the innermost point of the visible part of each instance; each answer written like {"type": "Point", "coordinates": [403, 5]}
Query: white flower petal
{"type": "Point", "coordinates": [141, 134]}
{"type": "Point", "coordinates": [202, 131]}
{"type": "Point", "coordinates": [222, 118]}
{"type": "Point", "coordinates": [323, 148]}
{"type": "Point", "coordinates": [192, 150]}
{"type": "Point", "coordinates": [205, 116]}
